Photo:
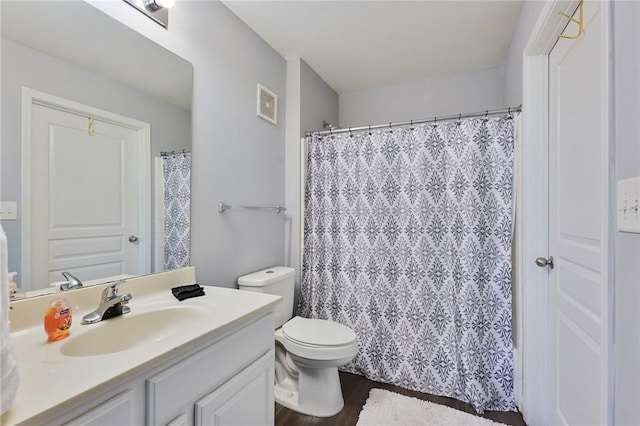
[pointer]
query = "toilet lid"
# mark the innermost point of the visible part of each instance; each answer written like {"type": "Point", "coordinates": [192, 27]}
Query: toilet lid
{"type": "Point", "coordinates": [318, 332]}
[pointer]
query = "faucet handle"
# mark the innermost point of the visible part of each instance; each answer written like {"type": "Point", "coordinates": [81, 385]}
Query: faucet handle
{"type": "Point", "coordinates": [111, 290]}
{"type": "Point", "coordinates": [125, 303]}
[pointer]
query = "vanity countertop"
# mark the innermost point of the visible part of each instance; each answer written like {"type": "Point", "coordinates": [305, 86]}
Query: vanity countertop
{"type": "Point", "coordinates": [50, 380]}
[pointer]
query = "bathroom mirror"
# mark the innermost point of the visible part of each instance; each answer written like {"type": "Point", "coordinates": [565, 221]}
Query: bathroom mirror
{"type": "Point", "coordinates": [72, 51]}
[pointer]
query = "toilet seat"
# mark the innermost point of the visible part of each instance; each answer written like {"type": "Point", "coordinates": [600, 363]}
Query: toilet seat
{"type": "Point", "coordinates": [317, 342]}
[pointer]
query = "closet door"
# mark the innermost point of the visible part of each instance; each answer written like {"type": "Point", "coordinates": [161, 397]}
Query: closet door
{"type": "Point", "coordinates": [579, 230]}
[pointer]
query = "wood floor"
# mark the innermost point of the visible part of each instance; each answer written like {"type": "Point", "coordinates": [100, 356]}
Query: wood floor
{"type": "Point", "coordinates": [355, 391]}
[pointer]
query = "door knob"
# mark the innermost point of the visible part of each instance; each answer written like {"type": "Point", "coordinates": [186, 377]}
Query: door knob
{"type": "Point", "coordinates": [543, 261]}
{"type": "Point", "coordinates": [133, 239]}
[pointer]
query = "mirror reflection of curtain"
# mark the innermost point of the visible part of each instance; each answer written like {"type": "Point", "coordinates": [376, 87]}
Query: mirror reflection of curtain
{"type": "Point", "coordinates": [177, 210]}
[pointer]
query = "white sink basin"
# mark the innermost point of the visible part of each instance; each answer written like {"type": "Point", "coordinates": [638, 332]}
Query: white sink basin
{"type": "Point", "coordinates": [131, 330]}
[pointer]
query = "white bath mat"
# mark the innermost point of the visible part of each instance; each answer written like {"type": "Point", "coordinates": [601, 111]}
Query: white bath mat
{"type": "Point", "coordinates": [389, 409]}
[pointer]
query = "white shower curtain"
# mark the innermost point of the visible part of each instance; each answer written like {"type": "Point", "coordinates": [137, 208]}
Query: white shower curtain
{"type": "Point", "coordinates": [9, 376]}
{"type": "Point", "coordinates": [408, 241]}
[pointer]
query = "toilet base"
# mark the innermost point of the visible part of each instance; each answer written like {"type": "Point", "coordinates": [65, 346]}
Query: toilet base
{"type": "Point", "coordinates": [320, 390]}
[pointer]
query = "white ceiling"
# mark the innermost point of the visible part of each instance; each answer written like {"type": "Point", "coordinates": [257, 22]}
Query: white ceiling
{"type": "Point", "coordinates": [356, 45]}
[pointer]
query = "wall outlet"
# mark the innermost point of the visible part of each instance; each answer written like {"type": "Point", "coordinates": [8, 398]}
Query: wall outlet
{"type": "Point", "coordinates": [628, 205]}
{"type": "Point", "coordinates": [8, 210]}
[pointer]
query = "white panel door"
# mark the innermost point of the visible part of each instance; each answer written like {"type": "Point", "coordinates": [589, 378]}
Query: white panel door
{"type": "Point", "coordinates": [578, 223]}
{"type": "Point", "coordinates": [83, 203]}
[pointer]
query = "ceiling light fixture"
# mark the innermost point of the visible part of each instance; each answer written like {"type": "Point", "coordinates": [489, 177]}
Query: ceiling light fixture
{"type": "Point", "coordinates": [157, 10]}
{"type": "Point", "coordinates": [154, 5]}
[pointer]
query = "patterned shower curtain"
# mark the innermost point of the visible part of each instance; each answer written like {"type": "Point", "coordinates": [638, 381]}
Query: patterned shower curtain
{"type": "Point", "coordinates": [176, 170]}
{"type": "Point", "coordinates": [407, 240]}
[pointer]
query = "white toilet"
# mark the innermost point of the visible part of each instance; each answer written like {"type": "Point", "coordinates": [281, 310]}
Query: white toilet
{"type": "Point", "coordinates": [308, 351]}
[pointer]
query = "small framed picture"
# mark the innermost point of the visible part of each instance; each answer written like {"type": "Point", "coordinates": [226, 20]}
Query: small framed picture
{"type": "Point", "coordinates": [267, 104]}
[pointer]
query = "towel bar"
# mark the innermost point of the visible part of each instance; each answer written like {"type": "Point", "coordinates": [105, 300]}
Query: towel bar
{"type": "Point", "coordinates": [222, 207]}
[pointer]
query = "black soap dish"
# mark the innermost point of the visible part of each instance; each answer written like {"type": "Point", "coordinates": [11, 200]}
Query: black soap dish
{"type": "Point", "coordinates": [187, 291]}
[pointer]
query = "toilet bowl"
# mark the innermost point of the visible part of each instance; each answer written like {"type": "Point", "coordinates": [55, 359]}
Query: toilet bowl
{"type": "Point", "coordinates": [308, 351]}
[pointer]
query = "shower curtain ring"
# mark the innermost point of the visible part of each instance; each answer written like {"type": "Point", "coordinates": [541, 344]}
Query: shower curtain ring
{"type": "Point", "coordinates": [390, 127]}
{"type": "Point", "coordinates": [509, 111]}
{"type": "Point", "coordinates": [369, 129]}
{"type": "Point", "coordinates": [350, 134]}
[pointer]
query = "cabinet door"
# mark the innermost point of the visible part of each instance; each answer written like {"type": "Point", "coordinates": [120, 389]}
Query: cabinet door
{"type": "Point", "coordinates": [247, 399]}
{"type": "Point", "coordinates": [118, 410]}
{"type": "Point", "coordinates": [175, 390]}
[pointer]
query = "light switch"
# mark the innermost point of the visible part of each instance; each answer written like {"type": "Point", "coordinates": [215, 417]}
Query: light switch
{"type": "Point", "coordinates": [8, 210]}
{"type": "Point", "coordinates": [628, 205]}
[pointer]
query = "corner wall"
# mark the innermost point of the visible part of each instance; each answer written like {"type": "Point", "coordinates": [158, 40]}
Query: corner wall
{"type": "Point", "coordinates": [513, 67]}
{"type": "Point", "coordinates": [439, 96]}
{"type": "Point", "coordinates": [318, 101]}
{"type": "Point", "coordinates": [237, 156]}
{"type": "Point", "coordinates": [311, 100]}
{"type": "Point", "coordinates": [626, 74]}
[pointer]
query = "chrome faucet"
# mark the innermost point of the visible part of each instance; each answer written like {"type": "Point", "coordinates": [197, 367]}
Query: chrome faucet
{"type": "Point", "coordinates": [72, 282]}
{"type": "Point", "coordinates": [111, 305]}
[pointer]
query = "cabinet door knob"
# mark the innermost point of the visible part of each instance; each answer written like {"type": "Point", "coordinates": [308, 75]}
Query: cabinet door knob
{"type": "Point", "coordinates": [133, 239]}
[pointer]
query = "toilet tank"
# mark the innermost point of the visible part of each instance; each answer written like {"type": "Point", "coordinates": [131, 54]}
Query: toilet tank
{"type": "Point", "coordinates": [278, 280]}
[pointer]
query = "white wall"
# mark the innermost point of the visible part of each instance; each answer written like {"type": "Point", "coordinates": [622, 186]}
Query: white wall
{"type": "Point", "coordinates": [454, 94]}
{"type": "Point", "coordinates": [626, 28]}
{"type": "Point", "coordinates": [318, 101]}
{"type": "Point", "coordinates": [311, 100]}
{"type": "Point", "coordinates": [22, 66]}
{"type": "Point", "coordinates": [293, 172]}
{"type": "Point", "coordinates": [238, 157]}
{"type": "Point", "coordinates": [513, 67]}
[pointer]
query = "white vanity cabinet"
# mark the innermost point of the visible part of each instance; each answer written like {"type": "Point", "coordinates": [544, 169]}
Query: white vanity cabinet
{"type": "Point", "coordinates": [242, 355]}
{"type": "Point", "coordinates": [226, 379]}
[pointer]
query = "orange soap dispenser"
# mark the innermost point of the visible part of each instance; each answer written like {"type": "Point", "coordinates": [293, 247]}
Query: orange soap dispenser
{"type": "Point", "coordinates": [57, 319]}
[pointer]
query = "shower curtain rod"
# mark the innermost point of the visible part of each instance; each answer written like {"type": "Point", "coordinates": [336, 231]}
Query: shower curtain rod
{"type": "Point", "coordinates": [180, 151]}
{"type": "Point", "coordinates": [426, 120]}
